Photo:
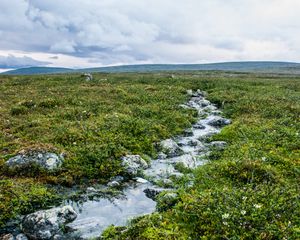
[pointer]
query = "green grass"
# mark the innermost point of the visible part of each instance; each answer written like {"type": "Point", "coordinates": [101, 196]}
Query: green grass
{"type": "Point", "coordinates": [248, 191]}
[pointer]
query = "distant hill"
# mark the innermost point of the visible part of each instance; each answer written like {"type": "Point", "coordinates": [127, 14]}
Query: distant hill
{"type": "Point", "coordinates": [254, 66]}
{"type": "Point", "coordinates": [38, 70]}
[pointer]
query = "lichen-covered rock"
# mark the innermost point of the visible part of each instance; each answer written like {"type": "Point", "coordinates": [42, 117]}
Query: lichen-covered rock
{"type": "Point", "coordinates": [45, 224]}
{"type": "Point", "coordinates": [171, 148]}
{"type": "Point", "coordinates": [133, 164]}
{"type": "Point", "coordinates": [45, 160]}
{"type": "Point", "coordinates": [219, 121]}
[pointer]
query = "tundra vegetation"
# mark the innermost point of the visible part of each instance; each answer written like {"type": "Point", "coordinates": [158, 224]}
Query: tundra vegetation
{"type": "Point", "coordinates": [249, 190]}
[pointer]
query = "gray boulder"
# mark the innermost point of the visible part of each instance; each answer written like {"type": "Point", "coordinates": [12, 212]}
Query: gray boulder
{"type": "Point", "coordinates": [88, 76]}
{"type": "Point", "coordinates": [219, 121]}
{"type": "Point", "coordinates": [171, 148]}
{"type": "Point", "coordinates": [45, 224]}
{"type": "Point", "coordinates": [133, 164]}
{"type": "Point", "coordinates": [46, 160]}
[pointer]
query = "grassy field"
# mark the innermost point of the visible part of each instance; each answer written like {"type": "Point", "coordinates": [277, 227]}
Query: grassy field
{"type": "Point", "coordinates": [248, 191]}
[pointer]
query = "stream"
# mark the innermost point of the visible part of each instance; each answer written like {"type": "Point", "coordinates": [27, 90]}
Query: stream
{"type": "Point", "coordinates": [96, 215]}
{"type": "Point", "coordinates": [97, 208]}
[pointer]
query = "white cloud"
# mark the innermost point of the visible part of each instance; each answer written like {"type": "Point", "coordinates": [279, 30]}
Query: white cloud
{"type": "Point", "coordinates": [108, 32]}
{"type": "Point", "coordinates": [12, 61]}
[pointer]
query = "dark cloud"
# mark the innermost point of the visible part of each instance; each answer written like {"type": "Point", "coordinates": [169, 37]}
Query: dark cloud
{"type": "Point", "coordinates": [54, 57]}
{"type": "Point", "coordinates": [19, 62]}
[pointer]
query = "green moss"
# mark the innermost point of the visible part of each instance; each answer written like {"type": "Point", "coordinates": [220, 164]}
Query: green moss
{"type": "Point", "coordinates": [21, 197]}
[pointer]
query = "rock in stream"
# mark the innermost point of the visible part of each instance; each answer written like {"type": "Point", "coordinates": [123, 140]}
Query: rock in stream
{"type": "Point", "coordinates": [47, 224]}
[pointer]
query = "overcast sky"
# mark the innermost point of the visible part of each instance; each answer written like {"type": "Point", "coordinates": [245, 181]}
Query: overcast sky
{"type": "Point", "coordinates": [77, 33]}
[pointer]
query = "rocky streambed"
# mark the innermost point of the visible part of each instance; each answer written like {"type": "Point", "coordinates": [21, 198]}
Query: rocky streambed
{"type": "Point", "coordinates": [96, 210]}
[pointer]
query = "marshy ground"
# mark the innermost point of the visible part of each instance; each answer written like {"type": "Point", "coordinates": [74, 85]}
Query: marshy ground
{"type": "Point", "coordinates": [249, 190]}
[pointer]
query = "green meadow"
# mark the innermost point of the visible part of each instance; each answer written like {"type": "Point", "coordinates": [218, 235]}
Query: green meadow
{"type": "Point", "coordinates": [249, 190]}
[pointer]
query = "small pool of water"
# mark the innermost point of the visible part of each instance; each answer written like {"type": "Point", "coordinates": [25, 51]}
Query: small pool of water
{"type": "Point", "coordinates": [96, 215]}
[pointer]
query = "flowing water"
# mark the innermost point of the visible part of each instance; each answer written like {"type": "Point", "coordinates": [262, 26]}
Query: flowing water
{"type": "Point", "coordinates": [96, 215]}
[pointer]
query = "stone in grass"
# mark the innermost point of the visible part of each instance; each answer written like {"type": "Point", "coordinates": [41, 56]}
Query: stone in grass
{"type": "Point", "coordinates": [46, 160]}
{"type": "Point", "coordinates": [46, 224]}
{"type": "Point", "coordinates": [88, 76]}
{"type": "Point", "coordinates": [219, 121]}
{"type": "Point", "coordinates": [133, 164]}
{"type": "Point", "coordinates": [170, 148]}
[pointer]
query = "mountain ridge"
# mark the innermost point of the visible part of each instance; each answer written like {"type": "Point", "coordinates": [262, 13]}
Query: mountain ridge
{"type": "Point", "coordinates": [244, 66]}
